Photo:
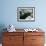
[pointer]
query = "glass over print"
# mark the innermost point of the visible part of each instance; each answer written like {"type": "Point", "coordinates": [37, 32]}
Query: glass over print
{"type": "Point", "coordinates": [26, 14]}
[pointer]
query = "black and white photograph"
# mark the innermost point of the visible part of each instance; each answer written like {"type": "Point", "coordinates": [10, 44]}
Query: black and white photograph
{"type": "Point", "coordinates": [26, 14]}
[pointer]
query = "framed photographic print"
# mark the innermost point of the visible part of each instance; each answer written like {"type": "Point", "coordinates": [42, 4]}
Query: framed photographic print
{"type": "Point", "coordinates": [26, 14]}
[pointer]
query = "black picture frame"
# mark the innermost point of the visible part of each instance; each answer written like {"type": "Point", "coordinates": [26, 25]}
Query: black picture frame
{"type": "Point", "coordinates": [26, 14]}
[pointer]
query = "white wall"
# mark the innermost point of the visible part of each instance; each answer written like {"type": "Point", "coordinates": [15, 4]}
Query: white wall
{"type": "Point", "coordinates": [8, 13]}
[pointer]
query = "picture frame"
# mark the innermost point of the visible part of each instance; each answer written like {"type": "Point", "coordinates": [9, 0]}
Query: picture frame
{"type": "Point", "coordinates": [26, 14]}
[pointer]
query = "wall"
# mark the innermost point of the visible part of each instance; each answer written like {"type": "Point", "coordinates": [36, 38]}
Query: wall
{"type": "Point", "coordinates": [8, 9]}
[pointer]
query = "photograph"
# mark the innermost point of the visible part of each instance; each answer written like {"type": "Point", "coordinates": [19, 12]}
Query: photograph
{"type": "Point", "coordinates": [26, 14]}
